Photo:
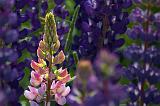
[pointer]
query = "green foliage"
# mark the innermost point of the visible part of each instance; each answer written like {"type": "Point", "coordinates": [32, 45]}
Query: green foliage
{"type": "Point", "coordinates": [75, 56]}
{"type": "Point", "coordinates": [70, 4]}
{"type": "Point", "coordinates": [25, 54]}
{"type": "Point", "coordinates": [24, 83]}
{"type": "Point", "coordinates": [70, 34]}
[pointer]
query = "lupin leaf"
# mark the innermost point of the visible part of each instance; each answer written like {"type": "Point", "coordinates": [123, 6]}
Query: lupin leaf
{"type": "Point", "coordinates": [70, 34]}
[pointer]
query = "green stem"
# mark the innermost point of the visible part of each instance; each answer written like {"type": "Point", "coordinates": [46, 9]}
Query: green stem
{"type": "Point", "coordinates": [70, 34]}
{"type": "Point", "coordinates": [75, 56]}
{"type": "Point", "coordinates": [49, 80]}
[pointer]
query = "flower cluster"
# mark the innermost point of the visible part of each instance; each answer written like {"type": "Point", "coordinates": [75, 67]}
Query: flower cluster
{"type": "Point", "coordinates": [30, 13]}
{"type": "Point", "coordinates": [11, 71]}
{"type": "Point", "coordinates": [10, 76]}
{"type": "Point", "coordinates": [143, 72]}
{"type": "Point", "coordinates": [100, 21]}
{"type": "Point", "coordinates": [46, 81]}
{"type": "Point", "coordinates": [28, 22]}
{"type": "Point", "coordinates": [97, 86]}
{"type": "Point", "coordinates": [8, 19]}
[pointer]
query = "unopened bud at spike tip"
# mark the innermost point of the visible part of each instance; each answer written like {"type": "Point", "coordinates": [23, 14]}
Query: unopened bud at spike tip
{"type": "Point", "coordinates": [50, 36]}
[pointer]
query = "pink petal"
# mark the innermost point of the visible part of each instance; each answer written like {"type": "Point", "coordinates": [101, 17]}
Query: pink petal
{"type": "Point", "coordinates": [60, 100]}
{"type": "Point", "coordinates": [59, 58]}
{"type": "Point", "coordinates": [42, 89]}
{"type": "Point", "coordinates": [64, 73]}
{"type": "Point", "coordinates": [34, 65]}
{"type": "Point", "coordinates": [51, 76]}
{"type": "Point", "coordinates": [42, 45]}
{"type": "Point", "coordinates": [39, 98]}
{"type": "Point", "coordinates": [66, 79]}
{"type": "Point", "coordinates": [34, 82]}
{"type": "Point", "coordinates": [53, 85]}
{"type": "Point", "coordinates": [29, 95]}
{"type": "Point", "coordinates": [56, 85]}
{"type": "Point", "coordinates": [60, 70]}
{"type": "Point", "coordinates": [41, 61]}
{"type": "Point", "coordinates": [35, 75]}
{"type": "Point", "coordinates": [32, 74]}
{"type": "Point", "coordinates": [41, 71]}
{"type": "Point", "coordinates": [33, 90]}
{"type": "Point", "coordinates": [40, 53]}
{"type": "Point", "coordinates": [61, 89]}
{"type": "Point", "coordinates": [66, 91]}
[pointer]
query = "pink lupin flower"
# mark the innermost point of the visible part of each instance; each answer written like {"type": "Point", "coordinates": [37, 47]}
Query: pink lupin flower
{"type": "Point", "coordinates": [42, 89]}
{"type": "Point", "coordinates": [52, 81]}
{"type": "Point", "coordinates": [60, 91]}
{"type": "Point", "coordinates": [63, 90]}
{"type": "Point", "coordinates": [40, 53]}
{"type": "Point", "coordinates": [60, 100]}
{"type": "Point", "coordinates": [42, 45]}
{"type": "Point", "coordinates": [36, 78]}
{"type": "Point", "coordinates": [55, 86]}
{"type": "Point", "coordinates": [63, 75]}
{"type": "Point", "coordinates": [34, 65]}
{"type": "Point", "coordinates": [41, 63]}
{"type": "Point", "coordinates": [39, 67]}
{"type": "Point", "coordinates": [32, 94]}
{"type": "Point", "coordinates": [59, 58]}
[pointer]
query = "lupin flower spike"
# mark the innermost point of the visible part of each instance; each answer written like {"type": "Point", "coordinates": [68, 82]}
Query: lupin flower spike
{"type": "Point", "coordinates": [47, 83]}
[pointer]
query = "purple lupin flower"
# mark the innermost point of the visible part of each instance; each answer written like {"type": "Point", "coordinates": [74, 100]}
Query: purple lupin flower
{"type": "Point", "coordinates": [143, 72]}
{"type": "Point", "coordinates": [100, 22]}
{"type": "Point", "coordinates": [11, 71]}
{"type": "Point", "coordinates": [96, 86]}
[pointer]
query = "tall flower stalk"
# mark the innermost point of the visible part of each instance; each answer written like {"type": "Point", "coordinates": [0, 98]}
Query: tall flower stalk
{"type": "Point", "coordinates": [100, 23]}
{"type": "Point", "coordinates": [143, 72]}
{"type": "Point", "coordinates": [11, 72]}
{"type": "Point", "coordinates": [46, 81]}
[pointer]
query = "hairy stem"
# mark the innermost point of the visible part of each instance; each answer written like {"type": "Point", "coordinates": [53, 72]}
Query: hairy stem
{"type": "Point", "coordinates": [49, 80]}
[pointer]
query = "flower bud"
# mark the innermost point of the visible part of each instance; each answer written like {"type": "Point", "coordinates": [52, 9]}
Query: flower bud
{"type": "Point", "coordinates": [40, 54]}
{"type": "Point", "coordinates": [42, 45]}
{"type": "Point", "coordinates": [50, 29]}
{"type": "Point", "coordinates": [84, 70]}
{"type": "Point", "coordinates": [59, 58]}
{"type": "Point", "coordinates": [56, 46]}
